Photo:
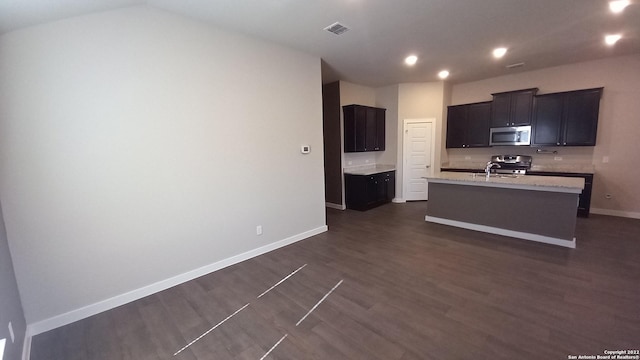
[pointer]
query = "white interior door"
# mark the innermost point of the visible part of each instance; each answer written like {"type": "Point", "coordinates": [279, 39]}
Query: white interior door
{"type": "Point", "coordinates": [417, 158]}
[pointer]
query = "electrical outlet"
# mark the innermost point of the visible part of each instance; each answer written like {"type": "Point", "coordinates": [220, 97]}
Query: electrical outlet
{"type": "Point", "coordinates": [467, 157]}
{"type": "Point", "coordinates": [605, 159]}
{"type": "Point", "coordinates": [557, 158]}
{"type": "Point", "coordinates": [259, 230]}
{"type": "Point", "coordinates": [11, 335]}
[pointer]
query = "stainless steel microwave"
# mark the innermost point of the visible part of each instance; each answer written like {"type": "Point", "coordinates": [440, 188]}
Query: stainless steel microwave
{"type": "Point", "coordinates": [513, 135]}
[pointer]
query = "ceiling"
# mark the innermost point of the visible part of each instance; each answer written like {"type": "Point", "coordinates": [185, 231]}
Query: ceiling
{"type": "Point", "coordinates": [457, 35]}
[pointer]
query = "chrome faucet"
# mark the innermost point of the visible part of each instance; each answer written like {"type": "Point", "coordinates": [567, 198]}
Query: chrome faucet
{"type": "Point", "coordinates": [490, 165]}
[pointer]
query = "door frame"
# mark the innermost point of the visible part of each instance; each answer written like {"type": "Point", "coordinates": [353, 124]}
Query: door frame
{"type": "Point", "coordinates": [405, 130]}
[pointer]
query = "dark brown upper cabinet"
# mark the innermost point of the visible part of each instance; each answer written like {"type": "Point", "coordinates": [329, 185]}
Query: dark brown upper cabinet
{"type": "Point", "coordinates": [468, 125]}
{"type": "Point", "coordinates": [567, 118]}
{"type": "Point", "coordinates": [512, 108]}
{"type": "Point", "coordinates": [363, 128]}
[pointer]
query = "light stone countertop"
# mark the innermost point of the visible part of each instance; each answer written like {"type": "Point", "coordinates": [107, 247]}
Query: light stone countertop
{"type": "Point", "coordinates": [563, 168]}
{"type": "Point", "coordinates": [369, 169]}
{"type": "Point", "coordinates": [522, 182]}
{"type": "Point", "coordinates": [566, 168]}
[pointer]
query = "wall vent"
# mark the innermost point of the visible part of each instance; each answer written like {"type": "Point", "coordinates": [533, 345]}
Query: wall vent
{"type": "Point", "coordinates": [337, 28]}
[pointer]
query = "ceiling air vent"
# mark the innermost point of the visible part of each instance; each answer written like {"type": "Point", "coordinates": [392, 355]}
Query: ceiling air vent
{"type": "Point", "coordinates": [337, 28]}
{"type": "Point", "coordinates": [516, 65]}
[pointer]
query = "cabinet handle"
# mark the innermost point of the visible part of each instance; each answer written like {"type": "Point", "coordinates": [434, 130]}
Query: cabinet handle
{"type": "Point", "coordinates": [428, 166]}
{"type": "Point", "coordinates": [557, 143]}
{"type": "Point", "coordinates": [564, 144]}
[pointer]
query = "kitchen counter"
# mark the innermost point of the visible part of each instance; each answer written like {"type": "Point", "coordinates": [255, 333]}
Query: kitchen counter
{"type": "Point", "coordinates": [536, 208]}
{"type": "Point", "coordinates": [559, 168]}
{"type": "Point", "coordinates": [369, 169]}
{"type": "Point", "coordinates": [522, 182]}
{"type": "Point", "coordinates": [564, 168]}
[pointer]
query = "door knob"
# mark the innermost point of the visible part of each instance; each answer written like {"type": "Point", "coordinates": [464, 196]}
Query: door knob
{"type": "Point", "coordinates": [428, 166]}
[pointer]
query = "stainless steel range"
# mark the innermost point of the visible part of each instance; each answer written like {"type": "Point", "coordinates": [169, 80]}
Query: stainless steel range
{"type": "Point", "coordinates": [511, 164]}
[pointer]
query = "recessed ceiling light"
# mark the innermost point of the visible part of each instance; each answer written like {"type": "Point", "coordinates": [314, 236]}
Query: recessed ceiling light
{"type": "Point", "coordinates": [499, 52]}
{"type": "Point", "coordinates": [411, 60]}
{"type": "Point", "coordinates": [612, 39]}
{"type": "Point", "coordinates": [618, 6]}
{"type": "Point", "coordinates": [443, 74]}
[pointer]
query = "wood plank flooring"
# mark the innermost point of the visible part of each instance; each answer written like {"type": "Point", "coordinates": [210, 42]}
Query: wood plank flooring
{"type": "Point", "coordinates": [411, 290]}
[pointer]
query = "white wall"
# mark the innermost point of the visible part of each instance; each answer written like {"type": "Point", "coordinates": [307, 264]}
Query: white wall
{"type": "Point", "coordinates": [618, 127]}
{"type": "Point", "coordinates": [137, 145]}
{"type": "Point", "coordinates": [10, 304]}
{"type": "Point", "coordinates": [419, 101]}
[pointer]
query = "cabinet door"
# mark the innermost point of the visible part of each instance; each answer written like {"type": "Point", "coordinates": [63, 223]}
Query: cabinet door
{"type": "Point", "coordinates": [380, 125]}
{"type": "Point", "coordinates": [512, 108]}
{"type": "Point", "coordinates": [456, 126]}
{"type": "Point", "coordinates": [521, 107]}
{"type": "Point", "coordinates": [381, 193]}
{"type": "Point", "coordinates": [349, 128]}
{"type": "Point", "coordinates": [584, 203]}
{"type": "Point", "coordinates": [501, 110]}
{"type": "Point", "coordinates": [354, 128]}
{"type": "Point", "coordinates": [355, 191]}
{"type": "Point", "coordinates": [547, 121]}
{"type": "Point", "coordinates": [581, 117]}
{"type": "Point", "coordinates": [373, 190]}
{"type": "Point", "coordinates": [390, 180]}
{"type": "Point", "coordinates": [360, 128]}
{"type": "Point", "coordinates": [371, 128]}
{"type": "Point", "coordinates": [478, 118]}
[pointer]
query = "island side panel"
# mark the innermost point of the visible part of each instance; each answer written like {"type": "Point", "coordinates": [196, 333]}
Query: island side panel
{"type": "Point", "coordinates": [550, 214]}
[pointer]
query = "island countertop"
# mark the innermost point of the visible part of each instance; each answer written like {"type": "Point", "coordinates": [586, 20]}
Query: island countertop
{"type": "Point", "coordinates": [522, 182]}
{"type": "Point", "coordinates": [551, 168]}
{"type": "Point", "coordinates": [369, 169]}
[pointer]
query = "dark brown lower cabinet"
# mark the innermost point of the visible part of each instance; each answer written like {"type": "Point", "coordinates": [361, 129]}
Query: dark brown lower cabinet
{"type": "Point", "coordinates": [363, 192]}
{"type": "Point", "coordinates": [584, 203]}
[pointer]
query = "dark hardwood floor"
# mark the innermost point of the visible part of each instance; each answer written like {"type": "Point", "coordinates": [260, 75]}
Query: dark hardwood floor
{"type": "Point", "coordinates": [410, 290]}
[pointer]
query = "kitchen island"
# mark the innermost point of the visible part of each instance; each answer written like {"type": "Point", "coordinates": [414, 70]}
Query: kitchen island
{"type": "Point", "coordinates": [537, 208]}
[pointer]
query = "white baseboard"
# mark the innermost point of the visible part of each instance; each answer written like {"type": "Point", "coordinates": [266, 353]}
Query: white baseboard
{"type": "Point", "coordinates": [26, 348]}
{"type": "Point", "coordinates": [504, 232]}
{"type": "Point", "coordinates": [96, 308]}
{"type": "Point", "coordinates": [335, 206]}
{"type": "Point", "coordinates": [398, 200]}
{"type": "Point", "coordinates": [627, 214]}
